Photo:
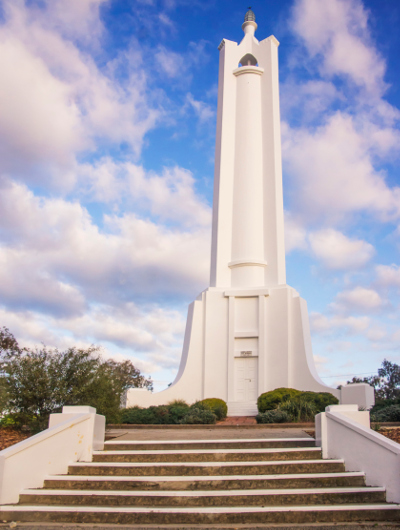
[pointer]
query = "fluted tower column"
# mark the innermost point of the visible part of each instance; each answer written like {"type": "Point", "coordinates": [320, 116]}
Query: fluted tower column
{"type": "Point", "coordinates": [247, 246]}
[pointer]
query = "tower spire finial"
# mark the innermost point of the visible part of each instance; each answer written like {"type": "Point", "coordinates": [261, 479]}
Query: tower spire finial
{"type": "Point", "coordinates": [250, 16]}
{"type": "Point", "coordinates": [249, 25]}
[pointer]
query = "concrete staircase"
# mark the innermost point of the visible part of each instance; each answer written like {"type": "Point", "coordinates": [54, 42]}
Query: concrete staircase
{"type": "Point", "coordinates": [205, 482]}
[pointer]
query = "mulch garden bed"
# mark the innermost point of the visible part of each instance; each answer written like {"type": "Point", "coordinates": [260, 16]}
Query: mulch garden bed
{"type": "Point", "coordinates": [10, 436]}
{"type": "Point", "coordinates": [391, 433]}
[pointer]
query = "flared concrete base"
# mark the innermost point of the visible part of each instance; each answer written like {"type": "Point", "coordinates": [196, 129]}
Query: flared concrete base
{"type": "Point", "coordinates": [238, 344]}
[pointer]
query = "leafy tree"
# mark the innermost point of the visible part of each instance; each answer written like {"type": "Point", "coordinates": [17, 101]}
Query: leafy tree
{"type": "Point", "coordinates": [8, 343]}
{"type": "Point", "coordinates": [39, 382]}
{"type": "Point", "coordinates": [389, 374]}
{"type": "Point", "coordinates": [386, 382]}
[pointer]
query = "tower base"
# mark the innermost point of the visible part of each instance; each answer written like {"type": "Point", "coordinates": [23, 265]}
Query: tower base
{"type": "Point", "coordinates": [238, 344]}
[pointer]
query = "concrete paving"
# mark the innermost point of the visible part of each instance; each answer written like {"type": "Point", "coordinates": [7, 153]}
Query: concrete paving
{"type": "Point", "coordinates": [336, 526]}
{"type": "Point", "coordinates": [206, 433]}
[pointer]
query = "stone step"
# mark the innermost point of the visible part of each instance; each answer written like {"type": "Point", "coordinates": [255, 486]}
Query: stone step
{"type": "Point", "coordinates": [214, 515]}
{"type": "Point", "coordinates": [194, 483]}
{"type": "Point", "coordinates": [242, 409]}
{"type": "Point", "coordinates": [151, 499]}
{"type": "Point", "coordinates": [209, 455]}
{"type": "Point", "coordinates": [260, 443]}
{"type": "Point", "coordinates": [207, 468]}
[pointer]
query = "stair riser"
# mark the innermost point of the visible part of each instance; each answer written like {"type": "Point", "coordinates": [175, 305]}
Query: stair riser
{"type": "Point", "coordinates": [280, 517]}
{"type": "Point", "coordinates": [205, 457]}
{"type": "Point", "coordinates": [320, 467]}
{"type": "Point", "coordinates": [205, 484]}
{"type": "Point", "coordinates": [221, 501]}
{"type": "Point", "coordinates": [200, 445]}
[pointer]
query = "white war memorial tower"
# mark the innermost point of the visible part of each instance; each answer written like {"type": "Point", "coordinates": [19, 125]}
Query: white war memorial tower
{"type": "Point", "coordinates": [248, 333]}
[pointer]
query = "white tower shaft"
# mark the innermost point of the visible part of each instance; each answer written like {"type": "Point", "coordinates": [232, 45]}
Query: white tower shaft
{"type": "Point", "coordinates": [248, 238]}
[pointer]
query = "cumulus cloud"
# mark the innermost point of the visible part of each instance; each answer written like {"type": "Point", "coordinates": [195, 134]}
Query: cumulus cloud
{"type": "Point", "coordinates": [359, 299]}
{"type": "Point", "coordinates": [321, 324]}
{"type": "Point", "coordinates": [171, 63]}
{"type": "Point", "coordinates": [388, 275]}
{"type": "Point", "coordinates": [42, 123]}
{"type": "Point", "coordinates": [151, 337]}
{"type": "Point", "coordinates": [201, 109]}
{"type": "Point", "coordinates": [334, 159]}
{"type": "Point", "coordinates": [337, 32]}
{"type": "Point", "coordinates": [295, 234]}
{"type": "Point", "coordinates": [334, 173]}
{"type": "Point", "coordinates": [57, 241]}
{"type": "Point", "coordinates": [336, 251]}
{"type": "Point", "coordinates": [169, 196]}
{"type": "Point", "coordinates": [55, 101]}
{"type": "Point", "coordinates": [309, 99]}
{"type": "Point", "coordinates": [78, 19]}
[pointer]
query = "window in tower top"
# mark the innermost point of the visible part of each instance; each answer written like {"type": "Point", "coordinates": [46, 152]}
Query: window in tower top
{"type": "Point", "coordinates": [248, 60]}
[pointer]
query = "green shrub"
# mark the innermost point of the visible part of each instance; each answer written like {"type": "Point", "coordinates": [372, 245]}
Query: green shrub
{"type": "Point", "coordinates": [391, 413]}
{"type": "Point", "coordinates": [136, 415]}
{"type": "Point", "coordinates": [273, 416]}
{"type": "Point", "coordinates": [218, 406]}
{"type": "Point", "coordinates": [319, 400]}
{"type": "Point", "coordinates": [177, 412]}
{"type": "Point", "coordinates": [171, 414]}
{"type": "Point", "coordinates": [146, 416]}
{"type": "Point", "coordinates": [199, 416]}
{"type": "Point", "coordinates": [271, 400]}
{"type": "Point", "coordinates": [298, 409]}
{"type": "Point", "coordinates": [199, 405]}
{"type": "Point", "coordinates": [383, 404]}
{"type": "Point", "coordinates": [7, 421]}
{"type": "Point", "coordinates": [162, 414]}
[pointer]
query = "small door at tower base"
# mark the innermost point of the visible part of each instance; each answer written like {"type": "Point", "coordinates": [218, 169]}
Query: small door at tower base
{"type": "Point", "coordinates": [246, 379]}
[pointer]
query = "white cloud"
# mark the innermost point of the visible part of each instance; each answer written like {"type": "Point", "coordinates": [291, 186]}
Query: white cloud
{"type": "Point", "coordinates": [311, 98]}
{"type": "Point", "coordinates": [42, 123]}
{"type": "Point", "coordinates": [337, 31]}
{"type": "Point", "coordinates": [55, 102]}
{"type": "Point", "coordinates": [325, 324]}
{"type": "Point", "coordinates": [334, 174]}
{"type": "Point", "coordinates": [359, 299]}
{"type": "Point", "coordinates": [204, 111]}
{"type": "Point", "coordinates": [57, 241]}
{"type": "Point", "coordinates": [169, 196]}
{"type": "Point", "coordinates": [78, 19]}
{"type": "Point", "coordinates": [171, 63]}
{"type": "Point", "coordinates": [388, 275]}
{"type": "Point", "coordinates": [376, 333]}
{"type": "Point", "coordinates": [295, 234]}
{"type": "Point", "coordinates": [335, 165]}
{"type": "Point", "coordinates": [321, 363]}
{"type": "Point", "coordinates": [336, 251]}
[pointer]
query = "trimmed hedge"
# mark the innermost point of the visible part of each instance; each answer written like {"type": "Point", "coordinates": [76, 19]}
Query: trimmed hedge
{"type": "Point", "coordinates": [217, 406]}
{"type": "Point", "coordinates": [177, 412]}
{"type": "Point", "coordinates": [273, 399]}
{"type": "Point", "coordinates": [147, 416]}
{"type": "Point", "coordinates": [199, 416]}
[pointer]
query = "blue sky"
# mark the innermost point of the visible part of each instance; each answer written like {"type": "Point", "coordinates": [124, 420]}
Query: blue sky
{"type": "Point", "coordinates": [107, 131]}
